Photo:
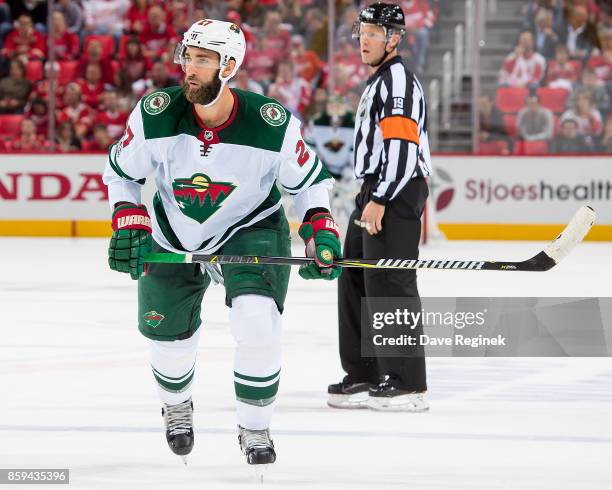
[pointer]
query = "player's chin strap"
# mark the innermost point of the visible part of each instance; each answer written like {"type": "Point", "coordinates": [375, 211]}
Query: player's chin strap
{"type": "Point", "coordinates": [224, 80]}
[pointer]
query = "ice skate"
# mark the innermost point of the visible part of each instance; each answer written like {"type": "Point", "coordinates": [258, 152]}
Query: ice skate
{"type": "Point", "coordinates": [348, 395]}
{"type": "Point", "coordinates": [387, 398]}
{"type": "Point", "coordinates": [258, 449]}
{"type": "Point", "coordinates": [179, 427]}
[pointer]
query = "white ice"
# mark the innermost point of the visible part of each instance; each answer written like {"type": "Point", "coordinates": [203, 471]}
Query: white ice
{"type": "Point", "coordinates": [77, 391]}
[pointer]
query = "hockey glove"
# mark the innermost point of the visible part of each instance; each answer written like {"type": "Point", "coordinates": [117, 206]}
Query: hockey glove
{"type": "Point", "coordinates": [131, 239]}
{"type": "Point", "coordinates": [322, 240]}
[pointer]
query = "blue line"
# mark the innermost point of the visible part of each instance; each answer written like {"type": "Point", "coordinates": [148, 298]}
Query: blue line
{"type": "Point", "coordinates": [320, 433]}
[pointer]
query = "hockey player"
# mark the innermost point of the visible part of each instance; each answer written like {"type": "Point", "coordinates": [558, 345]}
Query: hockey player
{"type": "Point", "coordinates": [217, 155]}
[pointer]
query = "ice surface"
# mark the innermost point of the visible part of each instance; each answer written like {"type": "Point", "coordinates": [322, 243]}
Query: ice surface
{"type": "Point", "coordinates": [77, 391]}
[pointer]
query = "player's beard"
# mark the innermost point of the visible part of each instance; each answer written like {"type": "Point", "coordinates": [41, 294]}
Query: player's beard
{"type": "Point", "coordinates": [205, 93]}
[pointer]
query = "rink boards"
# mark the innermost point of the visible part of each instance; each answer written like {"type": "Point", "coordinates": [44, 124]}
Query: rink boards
{"type": "Point", "coordinates": [476, 197]}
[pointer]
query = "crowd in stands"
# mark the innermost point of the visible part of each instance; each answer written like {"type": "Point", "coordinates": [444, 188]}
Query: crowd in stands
{"type": "Point", "coordinates": [106, 54]}
{"type": "Point", "coordinates": [555, 87]}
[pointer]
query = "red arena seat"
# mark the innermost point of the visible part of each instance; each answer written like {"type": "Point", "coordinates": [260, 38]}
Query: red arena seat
{"type": "Point", "coordinates": [511, 99]}
{"type": "Point", "coordinates": [68, 71]}
{"type": "Point", "coordinates": [553, 98]}
{"type": "Point", "coordinates": [10, 124]}
{"type": "Point", "coordinates": [531, 147]}
{"type": "Point", "coordinates": [34, 71]}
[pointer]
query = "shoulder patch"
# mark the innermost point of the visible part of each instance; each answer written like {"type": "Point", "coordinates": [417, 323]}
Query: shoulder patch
{"type": "Point", "coordinates": [156, 103]}
{"type": "Point", "coordinates": [274, 114]}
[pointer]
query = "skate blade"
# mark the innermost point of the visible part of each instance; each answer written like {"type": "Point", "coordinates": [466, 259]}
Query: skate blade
{"type": "Point", "coordinates": [356, 401]}
{"type": "Point", "coordinates": [260, 471]}
{"type": "Point", "coordinates": [388, 406]}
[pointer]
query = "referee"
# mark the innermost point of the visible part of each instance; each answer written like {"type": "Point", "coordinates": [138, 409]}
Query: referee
{"type": "Point", "coordinates": [392, 157]}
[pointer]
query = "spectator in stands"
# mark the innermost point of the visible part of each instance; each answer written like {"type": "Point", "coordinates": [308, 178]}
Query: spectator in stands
{"type": "Point", "coordinates": [29, 140]}
{"type": "Point", "coordinates": [178, 20]}
{"type": "Point", "coordinates": [137, 16]}
{"type": "Point", "coordinates": [349, 57]}
{"type": "Point", "coordinates": [597, 89]}
{"type": "Point", "coordinates": [67, 45]}
{"type": "Point", "coordinates": [562, 73]}
{"type": "Point", "coordinates": [6, 22]}
{"type": "Point", "coordinates": [492, 127]}
{"type": "Point", "coordinates": [42, 88]}
{"type": "Point", "coordinates": [134, 63]}
{"type": "Point", "coordinates": [316, 33]}
{"type": "Point", "coordinates": [110, 115]}
{"type": "Point", "coordinates": [14, 89]}
{"type": "Point", "coordinates": [277, 36]}
{"type": "Point", "coordinates": [242, 81]}
{"type": "Point", "coordinates": [174, 70]}
{"type": "Point", "coordinates": [76, 111]}
{"type": "Point", "coordinates": [105, 16]}
{"type": "Point", "coordinates": [37, 111]}
{"type": "Point", "coordinates": [344, 32]}
{"type": "Point", "coordinates": [578, 34]}
{"type": "Point", "coordinates": [72, 13]}
{"type": "Point", "coordinates": [66, 138]}
{"type": "Point", "coordinates": [545, 37]}
{"type": "Point", "coordinates": [92, 86]}
{"type": "Point", "coordinates": [569, 139]}
{"type": "Point", "coordinates": [101, 139]}
{"type": "Point", "coordinates": [604, 144]}
{"type": "Point", "coordinates": [24, 42]}
{"type": "Point", "coordinates": [419, 20]}
{"type": "Point", "coordinates": [158, 78]}
{"type": "Point", "coordinates": [531, 10]}
{"type": "Point", "coordinates": [523, 67]}
{"type": "Point", "coordinates": [36, 10]}
{"type": "Point", "coordinates": [588, 117]}
{"type": "Point", "coordinates": [126, 98]}
{"type": "Point", "coordinates": [156, 33]}
{"type": "Point", "coordinates": [318, 106]}
{"type": "Point", "coordinates": [95, 54]}
{"type": "Point", "coordinates": [535, 122]}
{"type": "Point", "coordinates": [290, 89]}
{"type": "Point", "coordinates": [261, 62]}
{"type": "Point", "coordinates": [307, 63]}
{"type": "Point", "coordinates": [601, 59]}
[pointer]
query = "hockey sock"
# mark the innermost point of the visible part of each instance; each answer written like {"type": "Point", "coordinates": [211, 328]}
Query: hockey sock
{"type": "Point", "coordinates": [173, 365]}
{"type": "Point", "coordinates": [256, 326]}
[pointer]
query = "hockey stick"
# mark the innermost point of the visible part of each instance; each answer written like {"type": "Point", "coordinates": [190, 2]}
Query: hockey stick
{"type": "Point", "coordinates": [552, 254]}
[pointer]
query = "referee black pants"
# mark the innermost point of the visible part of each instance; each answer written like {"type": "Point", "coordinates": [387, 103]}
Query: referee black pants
{"type": "Point", "coordinates": [399, 238]}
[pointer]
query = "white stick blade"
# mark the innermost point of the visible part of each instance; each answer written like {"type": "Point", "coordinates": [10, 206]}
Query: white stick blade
{"type": "Point", "coordinates": [572, 235]}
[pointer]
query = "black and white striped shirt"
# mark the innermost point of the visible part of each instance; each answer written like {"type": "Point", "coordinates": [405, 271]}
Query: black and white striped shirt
{"type": "Point", "coordinates": [391, 139]}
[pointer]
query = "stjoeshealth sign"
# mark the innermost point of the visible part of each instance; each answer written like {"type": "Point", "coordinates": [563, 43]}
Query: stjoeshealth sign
{"type": "Point", "coordinates": [53, 187]}
{"type": "Point", "coordinates": [524, 190]}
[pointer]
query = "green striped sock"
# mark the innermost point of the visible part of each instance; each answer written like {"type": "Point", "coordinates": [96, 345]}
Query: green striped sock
{"type": "Point", "coordinates": [255, 390]}
{"type": "Point", "coordinates": [174, 385]}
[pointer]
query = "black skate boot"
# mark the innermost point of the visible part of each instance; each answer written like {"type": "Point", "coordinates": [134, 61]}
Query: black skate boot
{"type": "Point", "coordinates": [179, 427]}
{"type": "Point", "coordinates": [258, 448]}
{"type": "Point", "coordinates": [348, 395]}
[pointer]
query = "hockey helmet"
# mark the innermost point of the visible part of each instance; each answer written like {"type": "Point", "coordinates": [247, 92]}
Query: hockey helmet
{"type": "Point", "coordinates": [225, 38]}
{"type": "Point", "coordinates": [386, 15]}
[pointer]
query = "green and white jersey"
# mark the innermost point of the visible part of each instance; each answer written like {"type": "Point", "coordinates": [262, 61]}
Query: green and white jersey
{"type": "Point", "coordinates": [213, 181]}
{"type": "Point", "coordinates": [333, 141]}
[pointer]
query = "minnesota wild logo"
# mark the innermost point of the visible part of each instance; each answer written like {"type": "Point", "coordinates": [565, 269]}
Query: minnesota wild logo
{"type": "Point", "coordinates": [198, 197]}
{"type": "Point", "coordinates": [273, 114]}
{"type": "Point", "coordinates": [156, 103]}
{"type": "Point", "coordinates": [152, 318]}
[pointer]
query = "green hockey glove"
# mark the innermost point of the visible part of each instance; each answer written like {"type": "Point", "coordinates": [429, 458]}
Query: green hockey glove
{"type": "Point", "coordinates": [322, 240]}
{"type": "Point", "coordinates": [131, 239]}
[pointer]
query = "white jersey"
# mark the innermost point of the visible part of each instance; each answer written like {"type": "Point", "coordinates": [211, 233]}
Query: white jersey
{"type": "Point", "coordinates": [211, 182]}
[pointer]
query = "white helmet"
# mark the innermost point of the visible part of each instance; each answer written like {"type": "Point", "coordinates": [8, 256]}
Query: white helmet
{"type": "Point", "coordinates": [224, 38]}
